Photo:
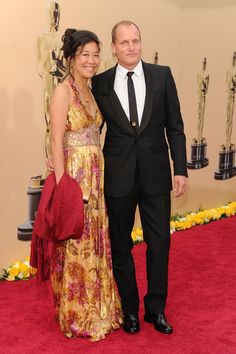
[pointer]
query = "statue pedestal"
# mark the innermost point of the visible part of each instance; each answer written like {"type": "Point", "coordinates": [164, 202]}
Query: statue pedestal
{"type": "Point", "coordinates": [227, 167]}
{"type": "Point", "coordinates": [24, 231]}
{"type": "Point", "coordinates": [198, 155]}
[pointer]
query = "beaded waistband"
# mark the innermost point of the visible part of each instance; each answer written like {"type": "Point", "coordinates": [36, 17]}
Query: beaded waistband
{"type": "Point", "coordinates": [87, 136]}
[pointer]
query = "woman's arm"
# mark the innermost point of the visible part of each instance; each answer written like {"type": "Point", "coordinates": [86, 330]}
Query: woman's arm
{"type": "Point", "coordinates": [58, 112]}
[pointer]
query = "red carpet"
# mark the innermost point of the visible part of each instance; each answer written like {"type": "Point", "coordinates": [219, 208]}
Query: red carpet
{"type": "Point", "coordinates": [201, 304]}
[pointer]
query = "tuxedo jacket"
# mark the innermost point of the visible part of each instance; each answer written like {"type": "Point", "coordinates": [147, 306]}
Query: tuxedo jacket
{"type": "Point", "coordinates": [160, 132]}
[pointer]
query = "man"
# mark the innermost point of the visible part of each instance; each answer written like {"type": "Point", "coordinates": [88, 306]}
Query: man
{"type": "Point", "coordinates": [140, 110]}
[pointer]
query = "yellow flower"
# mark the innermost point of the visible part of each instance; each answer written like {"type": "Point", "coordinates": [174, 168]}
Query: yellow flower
{"type": "Point", "coordinates": [139, 231]}
{"type": "Point", "coordinates": [229, 211]}
{"type": "Point", "coordinates": [218, 213]}
{"type": "Point", "coordinates": [172, 226]}
{"type": "Point", "coordinates": [32, 271]}
{"type": "Point", "coordinates": [24, 269]}
{"type": "Point", "coordinates": [188, 224]}
{"type": "Point", "coordinates": [175, 224]}
{"type": "Point", "coordinates": [137, 234]}
{"type": "Point", "coordinates": [232, 205]}
{"type": "Point", "coordinates": [13, 271]}
{"type": "Point", "coordinates": [133, 235]}
{"type": "Point", "coordinates": [190, 218]}
{"type": "Point", "coordinates": [10, 278]}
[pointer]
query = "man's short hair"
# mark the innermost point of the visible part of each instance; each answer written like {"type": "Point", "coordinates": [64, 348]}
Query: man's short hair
{"type": "Point", "coordinates": [124, 22]}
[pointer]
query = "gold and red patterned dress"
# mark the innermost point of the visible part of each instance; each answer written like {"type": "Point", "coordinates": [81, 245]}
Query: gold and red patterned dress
{"type": "Point", "coordinates": [85, 296]}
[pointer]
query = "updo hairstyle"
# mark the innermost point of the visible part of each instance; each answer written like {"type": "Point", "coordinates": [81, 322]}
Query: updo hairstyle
{"type": "Point", "coordinates": [72, 39]}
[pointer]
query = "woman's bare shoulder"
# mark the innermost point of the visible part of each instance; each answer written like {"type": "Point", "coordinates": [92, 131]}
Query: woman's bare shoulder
{"type": "Point", "coordinates": [63, 92]}
{"type": "Point", "coordinates": [63, 88]}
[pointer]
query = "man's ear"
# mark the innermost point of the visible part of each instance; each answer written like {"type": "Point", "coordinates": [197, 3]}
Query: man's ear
{"type": "Point", "coordinates": [113, 49]}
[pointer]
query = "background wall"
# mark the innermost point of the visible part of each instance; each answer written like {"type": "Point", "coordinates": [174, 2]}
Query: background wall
{"type": "Point", "coordinates": [182, 31]}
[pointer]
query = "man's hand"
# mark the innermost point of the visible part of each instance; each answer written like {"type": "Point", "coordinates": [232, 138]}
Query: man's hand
{"type": "Point", "coordinates": [180, 185]}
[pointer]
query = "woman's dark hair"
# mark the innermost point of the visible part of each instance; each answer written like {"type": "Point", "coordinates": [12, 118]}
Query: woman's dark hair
{"type": "Point", "coordinates": [73, 39]}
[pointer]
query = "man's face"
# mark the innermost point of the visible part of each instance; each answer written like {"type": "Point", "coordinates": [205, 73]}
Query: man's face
{"type": "Point", "coordinates": [127, 46]}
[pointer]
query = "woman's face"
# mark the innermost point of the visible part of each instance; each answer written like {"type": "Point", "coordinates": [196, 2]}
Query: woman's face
{"type": "Point", "coordinates": [87, 60]}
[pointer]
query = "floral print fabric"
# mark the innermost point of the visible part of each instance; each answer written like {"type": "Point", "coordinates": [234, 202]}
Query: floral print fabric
{"type": "Point", "coordinates": [85, 295]}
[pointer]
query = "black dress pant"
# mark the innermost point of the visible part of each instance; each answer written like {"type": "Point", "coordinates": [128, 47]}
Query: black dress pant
{"type": "Point", "coordinates": [155, 218]}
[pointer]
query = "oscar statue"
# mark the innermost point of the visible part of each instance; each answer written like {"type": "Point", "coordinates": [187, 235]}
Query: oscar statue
{"type": "Point", "coordinates": [156, 58]}
{"type": "Point", "coordinates": [227, 167]}
{"type": "Point", "coordinates": [51, 66]}
{"type": "Point", "coordinates": [51, 63]}
{"type": "Point", "coordinates": [199, 144]}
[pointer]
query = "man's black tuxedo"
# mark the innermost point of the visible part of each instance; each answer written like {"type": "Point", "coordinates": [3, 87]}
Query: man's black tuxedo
{"type": "Point", "coordinates": [137, 171]}
{"type": "Point", "coordinates": [123, 148]}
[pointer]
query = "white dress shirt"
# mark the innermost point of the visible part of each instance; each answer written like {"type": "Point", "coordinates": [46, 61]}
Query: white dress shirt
{"type": "Point", "coordinates": [120, 87]}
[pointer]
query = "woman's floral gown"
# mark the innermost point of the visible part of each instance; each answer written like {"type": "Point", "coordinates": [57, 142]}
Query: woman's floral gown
{"type": "Point", "coordinates": [85, 296]}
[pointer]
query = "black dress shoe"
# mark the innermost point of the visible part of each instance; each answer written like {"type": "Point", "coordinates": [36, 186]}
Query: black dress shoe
{"type": "Point", "coordinates": [159, 321]}
{"type": "Point", "coordinates": [131, 324]}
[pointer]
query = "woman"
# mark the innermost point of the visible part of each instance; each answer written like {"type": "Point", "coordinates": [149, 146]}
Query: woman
{"type": "Point", "coordinates": [85, 297]}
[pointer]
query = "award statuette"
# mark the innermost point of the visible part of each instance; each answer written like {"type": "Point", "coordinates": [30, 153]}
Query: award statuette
{"type": "Point", "coordinates": [24, 231]}
{"type": "Point", "coordinates": [51, 66]}
{"type": "Point", "coordinates": [156, 58]}
{"type": "Point", "coordinates": [51, 63]}
{"type": "Point", "coordinates": [227, 167]}
{"type": "Point", "coordinates": [199, 144]}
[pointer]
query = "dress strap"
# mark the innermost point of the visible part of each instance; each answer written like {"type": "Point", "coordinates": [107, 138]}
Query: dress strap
{"type": "Point", "coordinates": [76, 92]}
{"type": "Point", "coordinates": [79, 101]}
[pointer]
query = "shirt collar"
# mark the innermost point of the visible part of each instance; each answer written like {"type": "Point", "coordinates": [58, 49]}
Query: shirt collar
{"type": "Point", "coordinates": [138, 70]}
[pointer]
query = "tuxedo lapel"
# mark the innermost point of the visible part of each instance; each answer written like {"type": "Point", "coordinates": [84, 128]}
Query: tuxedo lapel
{"type": "Point", "coordinates": [148, 99]}
{"type": "Point", "coordinates": [115, 102]}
